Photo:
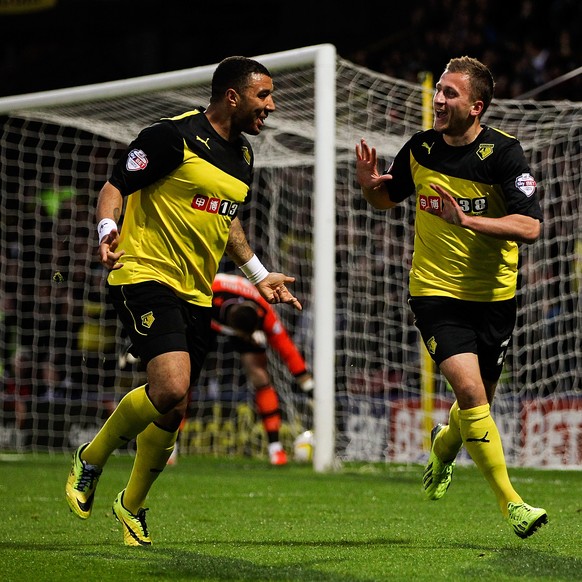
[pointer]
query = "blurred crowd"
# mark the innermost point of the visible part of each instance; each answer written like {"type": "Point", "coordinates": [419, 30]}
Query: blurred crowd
{"type": "Point", "coordinates": [526, 44]}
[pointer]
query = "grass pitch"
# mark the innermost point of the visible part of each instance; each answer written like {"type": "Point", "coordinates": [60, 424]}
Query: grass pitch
{"type": "Point", "coordinates": [242, 520]}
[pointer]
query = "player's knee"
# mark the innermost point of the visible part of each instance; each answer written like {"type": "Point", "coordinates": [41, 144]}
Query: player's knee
{"type": "Point", "coordinates": [169, 396]}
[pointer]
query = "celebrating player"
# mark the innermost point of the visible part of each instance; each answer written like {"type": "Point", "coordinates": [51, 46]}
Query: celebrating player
{"type": "Point", "coordinates": [475, 201]}
{"type": "Point", "coordinates": [183, 179]}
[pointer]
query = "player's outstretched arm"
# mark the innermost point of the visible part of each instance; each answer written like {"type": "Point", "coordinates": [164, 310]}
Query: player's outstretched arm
{"type": "Point", "coordinates": [271, 286]}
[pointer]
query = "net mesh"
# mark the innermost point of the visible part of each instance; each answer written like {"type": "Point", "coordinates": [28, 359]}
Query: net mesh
{"type": "Point", "coordinates": [62, 352]}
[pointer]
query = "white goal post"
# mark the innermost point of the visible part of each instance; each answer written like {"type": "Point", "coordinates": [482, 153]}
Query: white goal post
{"type": "Point", "coordinates": [323, 59]}
{"type": "Point", "coordinates": [61, 349]}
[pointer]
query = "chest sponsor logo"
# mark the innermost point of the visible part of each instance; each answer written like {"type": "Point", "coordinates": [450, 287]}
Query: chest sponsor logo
{"type": "Point", "coordinates": [136, 160]}
{"type": "Point", "coordinates": [526, 183]}
{"type": "Point", "coordinates": [215, 205]}
{"type": "Point", "coordinates": [429, 202]}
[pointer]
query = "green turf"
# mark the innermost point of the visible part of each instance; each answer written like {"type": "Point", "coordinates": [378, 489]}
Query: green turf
{"type": "Point", "coordinates": [240, 519]}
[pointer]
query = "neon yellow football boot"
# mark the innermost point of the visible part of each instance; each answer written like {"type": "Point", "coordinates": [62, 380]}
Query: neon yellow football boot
{"type": "Point", "coordinates": [81, 485]}
{"type": "Point", "coordinates": [135, 529]}
{"type": "Point", "coordinates": [525, 519]}
{"type": "Point", "coordinates": [437, 475]}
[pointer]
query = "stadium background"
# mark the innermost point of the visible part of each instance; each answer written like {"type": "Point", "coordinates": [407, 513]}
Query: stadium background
{"type": "Point", "coordinates": [49, 44]}
{"type": "Point", "coordinates": [139, 42]}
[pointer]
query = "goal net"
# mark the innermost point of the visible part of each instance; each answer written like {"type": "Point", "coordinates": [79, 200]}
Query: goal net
{"type": "Point", "coordinates": [63, 355]}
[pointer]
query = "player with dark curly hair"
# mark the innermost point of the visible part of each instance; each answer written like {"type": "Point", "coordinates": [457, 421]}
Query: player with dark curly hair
{"type": "Point", "coordinates": [183, 180]}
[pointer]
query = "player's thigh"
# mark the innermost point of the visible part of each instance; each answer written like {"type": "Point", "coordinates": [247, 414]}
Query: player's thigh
{"type": "Point", "coordinates": [463, 374]}
{"type": "Point", "coordinates": [169, 374]}
{"type": "Point", "coordinates": [496, 325]}
{"type": "Point", "coordinates": [445, 325]}
{"type": "Point", "coordinates": [158, 322]}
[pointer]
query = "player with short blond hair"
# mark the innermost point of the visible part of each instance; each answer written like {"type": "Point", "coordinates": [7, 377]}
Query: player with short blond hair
{"type": "Point", "coordinates": [475, 203]}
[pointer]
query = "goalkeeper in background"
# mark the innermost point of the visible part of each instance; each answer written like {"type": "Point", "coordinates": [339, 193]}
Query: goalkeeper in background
{"type": "Point", "coordinates": [183, 180]}
{"type": "Point", "coordinates": [475, 203]}
{"type": "Point", "coordinates": [251, 324]}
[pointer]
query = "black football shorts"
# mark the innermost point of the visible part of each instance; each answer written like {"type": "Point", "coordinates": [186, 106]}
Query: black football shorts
{"type": "Point", "coordinates": [450, 326]}
{"type": "Point", "coordinates": [157, 321]}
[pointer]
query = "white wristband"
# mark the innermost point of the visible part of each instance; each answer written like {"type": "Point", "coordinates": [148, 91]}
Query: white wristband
{"type": "Point", "coordinates": [254, 270]}
{"type": "Point", "coordinates": [104, 227]}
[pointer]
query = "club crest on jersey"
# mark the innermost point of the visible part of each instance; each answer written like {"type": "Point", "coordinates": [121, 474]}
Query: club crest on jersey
{"type": "Point", "coordinates": [431, 345]}
{"type": "Point", "coordinates": [246, 154]}
{"type": "Point", "coordinates": [147, 319]}
{"type": "Point", "coordinates": [485, 150]}
{"type": "Point", "coordinates": [526, 183]}
{"type": "Point", "coordinates": [136, 160]}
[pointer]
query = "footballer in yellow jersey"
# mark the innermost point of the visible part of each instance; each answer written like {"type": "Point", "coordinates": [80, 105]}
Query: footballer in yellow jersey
{"type": "Point", "coordinates": [475, 201]}
{"type": "Point", "coordinates": [184, 184]}
{"type": "Point", "coordinates": [488, 177]}
{"type": "Point", "coordinates": [177, 189]}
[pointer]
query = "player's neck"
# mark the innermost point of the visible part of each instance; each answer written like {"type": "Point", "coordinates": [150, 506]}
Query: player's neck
{"type": "Point", "coordinates": [221, 122]}
{"type": "Point", "coordinates": [466, 138]}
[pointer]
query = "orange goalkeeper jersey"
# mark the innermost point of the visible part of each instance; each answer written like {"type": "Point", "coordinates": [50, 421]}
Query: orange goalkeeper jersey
{"type": "Point", "coordinates": [233, 288]}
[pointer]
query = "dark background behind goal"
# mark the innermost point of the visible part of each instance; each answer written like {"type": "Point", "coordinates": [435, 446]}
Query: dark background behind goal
{"type": "Point", "coordinates": [78, 42]}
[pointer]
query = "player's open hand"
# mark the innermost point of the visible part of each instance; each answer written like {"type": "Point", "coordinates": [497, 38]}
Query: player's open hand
{"type": "Point", "coordinates": [448, 209]}
{"type": "Point", "coordinates": [367, 167]}
{"type": "Point", "coordinates": [107, 251]}
{"type": "Point", "coordinates": [274, 290]}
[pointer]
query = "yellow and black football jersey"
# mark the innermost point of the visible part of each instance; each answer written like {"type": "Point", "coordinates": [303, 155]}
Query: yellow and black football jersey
{"type": "Point", "coordinates": [184, 184]}
{"type": "Point", "coordinates": [488, 177]}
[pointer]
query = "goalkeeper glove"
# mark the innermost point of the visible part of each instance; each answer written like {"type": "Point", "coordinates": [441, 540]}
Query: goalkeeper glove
{"type": "Point", "coordinates": [306, 383]}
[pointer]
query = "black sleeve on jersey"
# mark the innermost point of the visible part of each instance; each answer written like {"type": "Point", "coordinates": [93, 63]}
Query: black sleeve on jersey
{"type": "Point", "coordinates": [401, 186]}
{"type": "Point", "coordinates": [510, 164]}
{"type": "Point", "coordinates": [164, 148]}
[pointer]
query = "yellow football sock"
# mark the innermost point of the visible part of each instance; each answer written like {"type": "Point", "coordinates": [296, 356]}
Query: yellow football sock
{"type": "Point", "coordinates": [482, 441]}
{"type": "Point", "coordinates": [154, 447]}
{"type": "Point", "coordinates": [133, 413]}
{"type": "Point", "coordinates": [448, 442]}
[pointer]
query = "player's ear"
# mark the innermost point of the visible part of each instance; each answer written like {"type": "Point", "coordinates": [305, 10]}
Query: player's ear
{"type": "Point", "coordinates": [477, 108]}
{"type": "Point", "coordinates": [232, 97]}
